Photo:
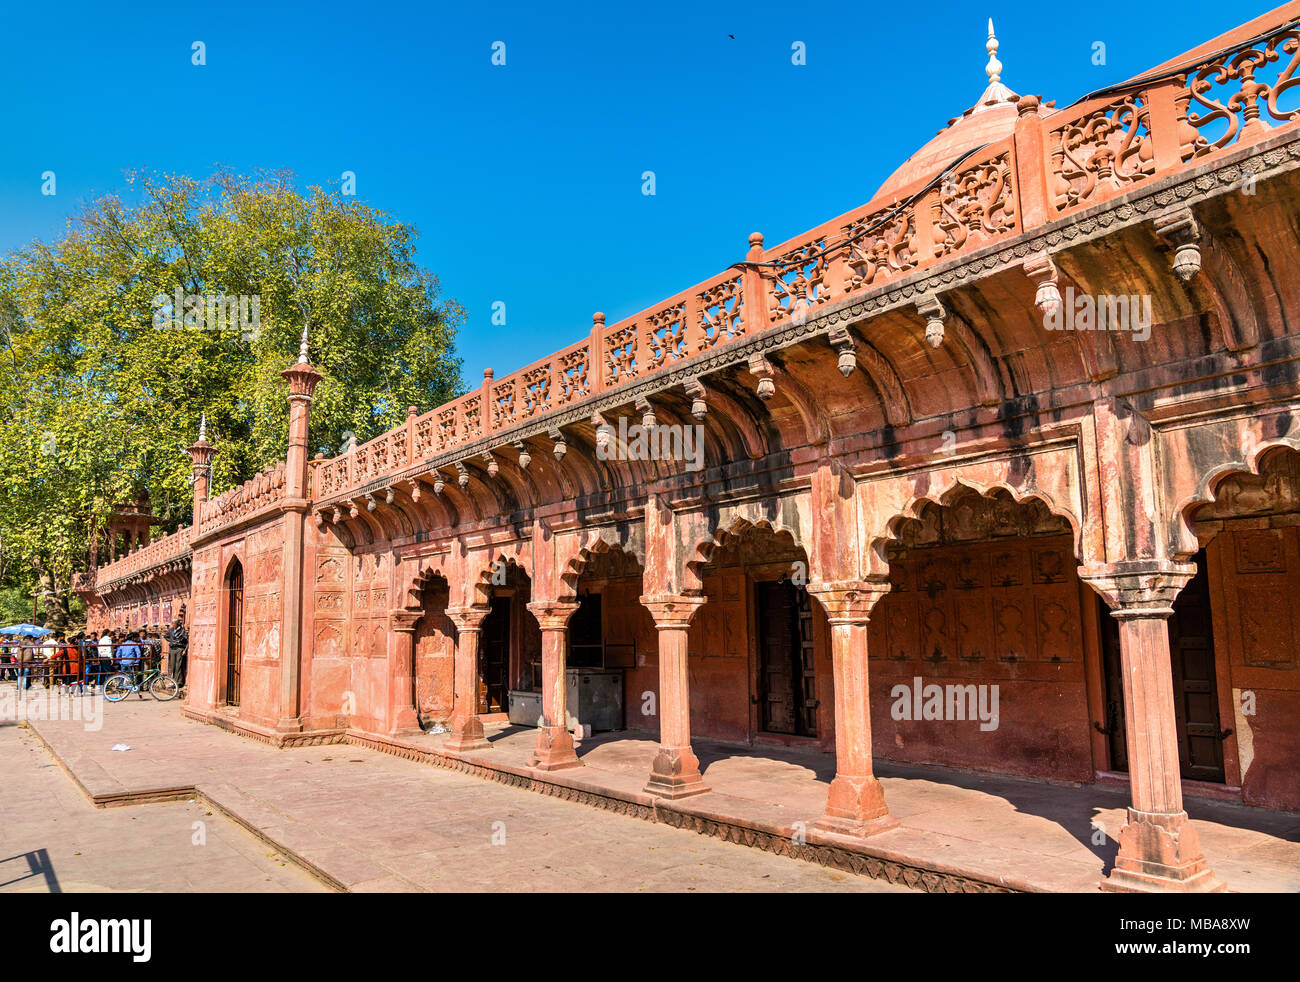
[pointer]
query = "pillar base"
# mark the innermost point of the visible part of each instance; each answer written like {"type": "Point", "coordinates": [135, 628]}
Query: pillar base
{"type": "Point", "coordinates": [406, 724]}
{"type": "Point", "coordinates": [467, 734]}
{"type": "Point", "coordinates": [1160, 853]}
{"type": "Point", "coordinates": [675, 774]}
{"type": "Point", "coordinates": [554, 750]}
{"type": "Point", "coordinates": [856, 806]}
{"type": "Point", "coordinates": [289, 725]}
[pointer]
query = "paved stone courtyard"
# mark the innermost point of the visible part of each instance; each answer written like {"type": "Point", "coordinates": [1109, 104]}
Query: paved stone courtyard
{"type": "Point", "coordinates": [363, 820]}
{"type": "Point", "coordinates": [369, 821]}
{"type": "Point", "coordinates": [52, 840]}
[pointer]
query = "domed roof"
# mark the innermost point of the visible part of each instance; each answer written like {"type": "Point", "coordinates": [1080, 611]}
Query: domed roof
{"type": "Point", "coordinates": [991, 118]}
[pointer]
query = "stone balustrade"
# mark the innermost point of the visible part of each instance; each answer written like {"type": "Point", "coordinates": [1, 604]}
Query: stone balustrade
{"type": "Point", "coordinates": [156, 553]}
{"type": "Point", "coordinates": [1056, 164]}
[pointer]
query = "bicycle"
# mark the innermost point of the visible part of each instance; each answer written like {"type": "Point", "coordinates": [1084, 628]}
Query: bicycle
{"type": "Point", "coordinates": [158, 684]}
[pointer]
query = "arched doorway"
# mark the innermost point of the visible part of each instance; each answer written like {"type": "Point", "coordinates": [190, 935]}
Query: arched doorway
{"type": "Point", "coordinates": [510, 641]}
{"type": "Point", "coordinates": [1249, 536]}
{"type": "Point", "coordinates": [608, 637]}
{"type": "Point", "coordinates": [979, 652]}
{"type": "Point", "coordinates": [760, 652]}
{"type": "Point", "coordinates": [234, 631]}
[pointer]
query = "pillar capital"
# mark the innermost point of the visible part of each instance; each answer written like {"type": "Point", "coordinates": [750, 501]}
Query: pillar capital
{"type": "Point", "coordinates": [552, 615]}
{"type": "Point", "coordinates": [1139, 588]}
{"type": "Point", "coordinates": [468, 617]}
{"type": "Point", "coordinates": [302, 379]}
{"type": "Point", "coordinates": [850, 601]}
{"type": "Point", "coordinates": [672, 611]}
{"type": "Point", "coordinates": [404, 620]}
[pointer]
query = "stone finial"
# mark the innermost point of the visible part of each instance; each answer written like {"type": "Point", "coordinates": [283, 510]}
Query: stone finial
{"type": "Point", "coordinates": [994, 68]}
{"type": "Point", "coordinates": [302, 347]}
{"type": "Point", "coordinates": [203, 428]}
{"type": "Point", "coordinates": [996, 93]}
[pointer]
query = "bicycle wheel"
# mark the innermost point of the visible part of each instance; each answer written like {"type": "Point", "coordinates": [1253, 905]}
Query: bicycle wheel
{"type": "Point", "coordinates": [164, 688]}
{"type": "Point", "coordinates": [117, 688]}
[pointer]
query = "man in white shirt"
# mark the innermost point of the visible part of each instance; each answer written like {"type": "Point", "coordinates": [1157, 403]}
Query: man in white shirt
{"type": "Point", "coordinates": [50, 652]}
{"type": "Point", "coordinates": [105, 657]}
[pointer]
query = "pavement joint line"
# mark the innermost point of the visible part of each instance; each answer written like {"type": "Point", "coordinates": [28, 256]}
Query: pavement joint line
{"type": "Point", "coordinates": [128, 798]}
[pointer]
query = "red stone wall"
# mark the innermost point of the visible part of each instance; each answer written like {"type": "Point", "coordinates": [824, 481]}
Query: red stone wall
{"type": "Point", "coordinates": [1003, 613]}
{"type": "Point", "coordinates": [435, 649]}
{"type": "Point", "coordinates": [205, 587]}
{"type": "Point", "coordinates": [262, 553]}
{"type": "Point", "coordinates": [369, 675]}
{"type": "Point", "coordinates": [330, 672]}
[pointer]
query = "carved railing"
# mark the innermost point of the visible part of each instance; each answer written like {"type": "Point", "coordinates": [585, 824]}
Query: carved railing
{"type": "Point", "coordinates": [252, 497]}
{"type": "Point", "coordinates": [1055, 164]}
{"type": "Point", "coordinates": [156, 553]}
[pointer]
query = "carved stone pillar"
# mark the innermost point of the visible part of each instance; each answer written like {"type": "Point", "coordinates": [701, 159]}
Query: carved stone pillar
{"type": "Point", "coordinates": [302, 379]}
{"type": "Point", "coordinates": [466, 726]}
{"type": "Point", "coordinates": [554, 743]}
{"type": "Point", "coordinates": [856, 802]}
{"type": "Point", "coordinates": [675, 772]}
{"type": "Point", "coordinates": [402, 717]}
{"type": "Point", "coordinates": [1159, 849]}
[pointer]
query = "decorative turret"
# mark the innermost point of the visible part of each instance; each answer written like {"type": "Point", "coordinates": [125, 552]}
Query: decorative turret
{"type": "Point", "coordinates": [201, 454]}
{"type": "Point", "coordinates": [302, 379]}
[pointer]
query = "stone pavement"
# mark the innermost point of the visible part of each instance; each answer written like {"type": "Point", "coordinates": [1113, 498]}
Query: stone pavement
{"type": "Point", "coordinates": [52, 840]}
{"type": "Point", "coordinates": [348, 812]}
{"type": "Point", "coordinates": [366, 821]}
{"type": "Point", "coordinates": [1018, 834]}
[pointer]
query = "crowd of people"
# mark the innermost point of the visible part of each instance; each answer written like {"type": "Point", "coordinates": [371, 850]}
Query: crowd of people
{"type": "Point", "coordinates": [83, 662]}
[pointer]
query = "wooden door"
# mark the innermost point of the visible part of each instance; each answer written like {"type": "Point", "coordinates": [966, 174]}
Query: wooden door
{"type": "Point", "coordinates": [1196, 695]}
{"type": "Point", "coordinates": [806, 680]}
{"type": "Point", "coordinates": [1113, 672]}
{"type": "Point", "coordinates": [787, 689]}
{"type": "Point", "coordinates": [1196, 699]}
{"type": "Point", "coordinates": [234, 634]}
{"type": "Point", "coordinates": [494, 658]}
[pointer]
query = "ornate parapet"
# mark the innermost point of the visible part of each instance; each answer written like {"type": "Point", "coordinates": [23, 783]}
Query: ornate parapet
{"type": "Point", "coordinates": [255, 498]}
{"type": "Point", "coordinates": [161, 556]}
{"type": "Point", "coordinates": [1086, 155]}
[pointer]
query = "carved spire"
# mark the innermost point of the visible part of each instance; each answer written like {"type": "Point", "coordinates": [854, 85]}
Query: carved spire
{"type": "Point", "coordinates": [302, 345]}
{"type": "Point", "coordinates": [203, 428]}
{"type": "Point", "coordinates": [994, 68]}
{"type": "Point", "coordinates": [996, 93]}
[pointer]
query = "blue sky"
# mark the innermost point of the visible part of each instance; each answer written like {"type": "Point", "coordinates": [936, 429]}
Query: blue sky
{"type": "Point", "coordinates": [525, 179]}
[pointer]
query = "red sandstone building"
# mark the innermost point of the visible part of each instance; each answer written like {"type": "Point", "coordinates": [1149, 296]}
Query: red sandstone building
{"type": "Point", "coordinates": [907, 473]}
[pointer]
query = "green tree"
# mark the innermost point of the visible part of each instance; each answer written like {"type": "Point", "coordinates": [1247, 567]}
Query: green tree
{"type": "Point", "coordinates": [103, 389]}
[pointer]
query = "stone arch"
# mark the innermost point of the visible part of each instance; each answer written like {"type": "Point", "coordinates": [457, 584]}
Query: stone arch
{"type": "Point", "coordinates": [722, 535]}
{"type": "Point", "coordinates": [885, 532]}
{"type": "Point", "coordinates": [1252, 470]}
{"type": "Point", "coordinates": [616, 540]}
{"type": "Point", "coordinates": [415, 585]}
{"type": "Point", "coordinates": [480, 587]}
{"type": "Point", "coordinates": [985, 593]}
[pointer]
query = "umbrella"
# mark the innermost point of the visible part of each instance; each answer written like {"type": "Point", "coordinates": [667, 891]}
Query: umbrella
{"type": "Point", "coordinates": [26, 630]}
